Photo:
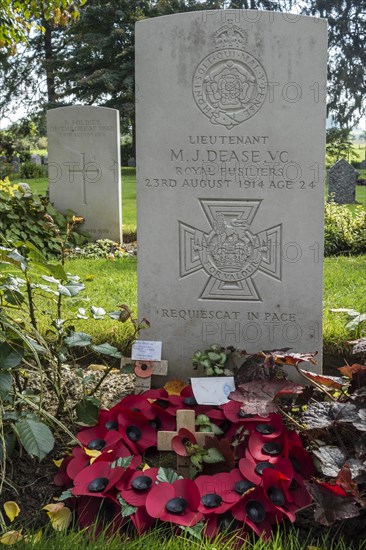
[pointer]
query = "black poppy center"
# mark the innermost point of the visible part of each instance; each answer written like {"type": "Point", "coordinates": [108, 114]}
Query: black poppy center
{"type": "Point", "coordinates": [98, 484]}
{"type": "Point", "coordinates": [272, 448]}
{"type": "Point", "coordinates": [133, 433]}
{"type": "Point", "coordinates": [295, 463]}
{"type": "Point", "coordinates": [242, 486]}
{"type": "Point", "coordinates": [176, 506]}
{"type": "Point", "coordinates": [141, 483]}
{"type": "Point", "coordinates": [255, 511]}
{"type": "Point", "coordinates": [111, 425]}
{"type": "Point", "coordinates": [276, 496]}
{"type": "Point", "coordinates": [96, 444]}
{"type": "Point", "coordinates": [161, 403]}
{"type": "Point", "coordinates": [294, 485]}
{"type": "Point", "coordinates": [242, 414]}
{"type": "Point", "coordinates": [211, 500]}
{"type": "Point", "coordinates": [264, 429]}
{"type": "Point", "coordinates": [155, 423]}
{"type": "Point", "coordinates": [225, 426]}
{"type": "Point", "coordinates": [190, 401]}
{"type": "Point", "coordinates": [135, 409]}
{"type": "Point", "coordinates": [227, 523]}
{"type": "Point", "coordinates": [261, 466]}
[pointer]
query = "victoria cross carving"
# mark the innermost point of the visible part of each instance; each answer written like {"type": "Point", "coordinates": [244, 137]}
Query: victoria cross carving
{"type": "Point", "coordinates": [230, 253]}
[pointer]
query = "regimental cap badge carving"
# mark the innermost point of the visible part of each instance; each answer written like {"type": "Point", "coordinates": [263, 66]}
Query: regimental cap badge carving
{"type": "Point", "coordinates": [230, 36]}
{"type": "Point", "coordinates": [229, 84]}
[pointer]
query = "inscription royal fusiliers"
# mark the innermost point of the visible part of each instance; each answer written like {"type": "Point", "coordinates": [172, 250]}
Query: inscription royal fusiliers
{"type": "Point", "coordinates": [229, 85]}
{"type": "Point", "coordinates": [231, 254]}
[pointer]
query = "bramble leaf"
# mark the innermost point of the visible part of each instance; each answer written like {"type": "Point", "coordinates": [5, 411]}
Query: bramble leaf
{"type": "Point", "coordinates": [167, 475]}
{"type": "Point", "coordinates": [323, 415]}
{"type": "Point", "coordinates": [331, 459]}
{"type": "Point", "coordinates": [332, 503]}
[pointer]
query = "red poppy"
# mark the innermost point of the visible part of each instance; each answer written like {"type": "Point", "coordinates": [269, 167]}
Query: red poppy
{"type": "Point", "coordinates": [302, 461]}
{"type": "Point", "coordinates": [97, 479]}
{"type": "Point", "coordinates": [253, 470]}
{"type": "Point", "coordinates": [81, 459]}
{"type": "Point", "coordinates": [136, 431]}
{"type": "Point", "coordinates": [226, 526]}
{"type": "Point", "coordinates": [257, 512]}
{"type": "Point", "coordinates": [177, 502]}
{"type": "Point", "coordinates": [180, 442]}
{"type": "Point", "coordinates": [286, 494]}
{"type": "Point", "coordinates": [103, 514]}
{"type": "Point", "coordinates": [263, 448]}
{"type": "Point", "coordinates": [217, 492]}
{"type": "Point", "coordinates": [141, 520]}
{"type": "Point", "coordinates": [98, 438]}
{"type": "Point", "coordinates": [135, 485]}
{"type": "Point", "coordinates": [62, 478]}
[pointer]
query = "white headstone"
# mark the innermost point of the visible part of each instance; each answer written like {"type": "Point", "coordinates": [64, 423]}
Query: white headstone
{"type": "Point", "coordinates": [84, 167]}
{"type": "Point", "coordinates": [230, 164]}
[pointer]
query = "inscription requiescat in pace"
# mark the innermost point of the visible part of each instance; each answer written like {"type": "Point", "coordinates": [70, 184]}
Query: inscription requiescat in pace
{"type": "Point", "coordinates": [229, 85]}
{"type": "Point", "coordinates": [231, 254]}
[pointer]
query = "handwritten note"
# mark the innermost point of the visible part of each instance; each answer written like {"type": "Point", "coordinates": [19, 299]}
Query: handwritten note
{"type": "Point", "coordinates": [212, 391]}
{"type": "Point", "coordinates": [145, 350]}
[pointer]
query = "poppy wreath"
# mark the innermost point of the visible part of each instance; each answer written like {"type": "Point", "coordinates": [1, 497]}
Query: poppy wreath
{"type": "Point", "coordinates": [260, 482]}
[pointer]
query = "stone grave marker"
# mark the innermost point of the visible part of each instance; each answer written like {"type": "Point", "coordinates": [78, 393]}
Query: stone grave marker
{"type": "Point", "coordinates": [342, 182]}
{"type": "Point", "coordinates": [230, 181]}
{"type": "Point", "coordinates": [84, 167]}
{"type": "Point", "coordinates": [36, 159]}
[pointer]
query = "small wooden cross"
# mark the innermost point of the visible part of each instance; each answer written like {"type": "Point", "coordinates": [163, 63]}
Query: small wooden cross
{"type": "Point", "coordinates": [185, 419]}
{"type": "Point", "coordinates": [144, 370]}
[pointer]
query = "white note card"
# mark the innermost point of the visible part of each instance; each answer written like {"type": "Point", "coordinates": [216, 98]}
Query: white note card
{"type": "Point", "coordinates": [145, 350]}
{"type": "Point", "coordinates": [212, 391]}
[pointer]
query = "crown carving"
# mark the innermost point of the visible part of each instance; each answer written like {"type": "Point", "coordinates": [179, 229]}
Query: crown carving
{"type": "Point", "coordinates": [230, 36]}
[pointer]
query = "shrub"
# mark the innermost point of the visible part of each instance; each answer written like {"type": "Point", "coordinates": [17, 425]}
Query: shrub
{"type": "Point", "coordinates": [344, 231]}
{"type": "Point", "coordinates": [30, 170]}
{"type": "Point", "coordinates": [26, 216]}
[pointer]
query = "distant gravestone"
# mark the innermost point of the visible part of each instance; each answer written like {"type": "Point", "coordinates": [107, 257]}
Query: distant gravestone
{"type": "Point", "coordinates": [230, 163]}
{"type": "Point", "coordinates": [363, 165]}
{"type": "Point", "coordinates": [84, 167]}
{"type": "Point", "coordinates": [131, 162]}
{"type": "Point", "coordinates": [36, 159]}
{"type": "Point", "coordinates": [342, 182]}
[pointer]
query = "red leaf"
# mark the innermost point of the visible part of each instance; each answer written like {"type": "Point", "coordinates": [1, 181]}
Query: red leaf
{"type": "Point", "coordinates": [331, 503]}
{"type": "Point", "coordinates": [349, 371]}
{"type": "Point", "coordinates": [295, 358]}
{"type": "Point", "coordinates": [333, 382]}
{"type": "Point", "coordinates": [345, 481]}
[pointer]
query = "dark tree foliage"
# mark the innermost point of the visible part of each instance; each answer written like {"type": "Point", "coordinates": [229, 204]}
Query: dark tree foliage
{"type": "Point", "coordinates": [347, 56]}
{"type": "Point", "coordinates": [92, 60]}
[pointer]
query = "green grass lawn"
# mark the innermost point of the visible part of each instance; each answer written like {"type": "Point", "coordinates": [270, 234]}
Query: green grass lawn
{"type": "Point", "coordinates": [110, 283]}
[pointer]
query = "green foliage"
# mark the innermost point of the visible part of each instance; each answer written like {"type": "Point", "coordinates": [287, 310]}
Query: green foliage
{"type": "Point", "coordinates": [343, 231]}
{"type": "Point", "coordinates": [24, 216]}
{"type": "Point", "coordinates": [16, 17]}
{"type": "Point", "coordinates": [339, 145]}
{"type": "Point", "coordinates": [26, 273]}
{"type": "Point", "coordinates": [212, 360]}
{"type": "Point", "coordinates": [102, 248]}
{"type": "Point", "coordinates": [30, 170]}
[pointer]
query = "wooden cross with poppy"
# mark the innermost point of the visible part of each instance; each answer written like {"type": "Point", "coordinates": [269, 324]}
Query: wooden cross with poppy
{"type": "Point", "coordinates": [186, 429]}
{"type": "Point", "coordinates": [143, 371]}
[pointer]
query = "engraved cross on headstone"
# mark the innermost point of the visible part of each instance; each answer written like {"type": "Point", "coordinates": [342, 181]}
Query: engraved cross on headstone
{"type": "Point", "coordinates": [185, 419]}
{"type": "Point", "coordinates": [84, 171]}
